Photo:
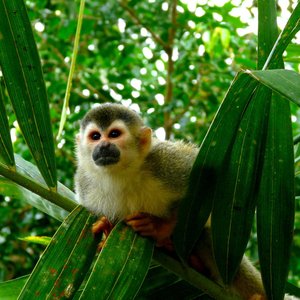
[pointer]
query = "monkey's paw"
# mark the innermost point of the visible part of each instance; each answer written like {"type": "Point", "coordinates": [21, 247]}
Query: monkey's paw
{"type": "Point", "coordinates": [102, 225]}
{"type": "Point", "coordinates": [157, 228]}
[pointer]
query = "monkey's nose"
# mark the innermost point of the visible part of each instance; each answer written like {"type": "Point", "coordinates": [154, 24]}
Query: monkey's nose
{"type": "Point", "coordinates": [105, 144]}
{"type": "Point", "coordinates": [106, 154]}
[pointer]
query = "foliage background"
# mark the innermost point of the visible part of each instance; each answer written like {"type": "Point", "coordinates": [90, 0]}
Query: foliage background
{"type": "Point", "coordinates": [125, 55]}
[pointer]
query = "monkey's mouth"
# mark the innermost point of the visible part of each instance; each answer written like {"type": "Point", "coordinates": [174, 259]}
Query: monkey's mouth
{"type": "Point", "coordinates": [107, 160]}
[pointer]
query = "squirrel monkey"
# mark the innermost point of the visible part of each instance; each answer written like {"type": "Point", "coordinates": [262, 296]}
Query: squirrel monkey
{"type": "Point", "coordinates": [124, 173]}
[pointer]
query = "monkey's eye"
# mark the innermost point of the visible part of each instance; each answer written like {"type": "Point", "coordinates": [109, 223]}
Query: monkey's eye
{"type": "Point", "coordinates": [115, 133]}
{"type": "Point", "coordinates": [95, 136]}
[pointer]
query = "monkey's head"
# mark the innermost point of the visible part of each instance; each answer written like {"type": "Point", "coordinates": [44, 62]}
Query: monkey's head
{"type": "Point", "coordinates": [112, 137]}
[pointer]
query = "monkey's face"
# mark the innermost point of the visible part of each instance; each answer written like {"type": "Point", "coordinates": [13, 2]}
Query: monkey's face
{"type": "Point", "coordinates": [116, 146]}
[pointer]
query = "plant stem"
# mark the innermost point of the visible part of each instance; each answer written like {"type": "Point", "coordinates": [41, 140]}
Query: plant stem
{"type": "Point", "coordinates": [193, 277]}
{"type": "Point", "coordinates": [37, 188]}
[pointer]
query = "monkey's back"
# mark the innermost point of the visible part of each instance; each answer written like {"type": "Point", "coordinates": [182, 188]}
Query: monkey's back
{"type": "Point", "coordinates": [172, 162]}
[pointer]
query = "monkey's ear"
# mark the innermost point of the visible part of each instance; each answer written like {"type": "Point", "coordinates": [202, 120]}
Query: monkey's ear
{"type": "Point", "coordinates": [145, 139]}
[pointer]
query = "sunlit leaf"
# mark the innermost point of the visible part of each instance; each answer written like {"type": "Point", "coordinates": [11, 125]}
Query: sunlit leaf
{"type": "Point", "coordinates": [42, 240]}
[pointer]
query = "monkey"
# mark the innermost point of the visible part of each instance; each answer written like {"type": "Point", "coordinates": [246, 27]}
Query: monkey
{"type": "Point", "coordinates": [124, 173]}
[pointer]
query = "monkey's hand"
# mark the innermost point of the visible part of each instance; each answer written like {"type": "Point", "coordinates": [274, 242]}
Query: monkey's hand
{"type": "Point", "coordinates": [102, 225]}
{"type": "Point", "coordinates": [158, 228]}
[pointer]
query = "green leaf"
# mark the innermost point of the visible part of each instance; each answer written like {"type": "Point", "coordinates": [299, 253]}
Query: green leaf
{"type": "Point", "coordinates": [275, 210]}
{"type": "Point", "coordinates": [42, 240]}
{"type": "Point", "coordinates": [72, 69]}
{"type": "Point", "coordinates": [6, 149]}
{"type": "Point", "coordinates": [276, 202]}
{"type": "Point", "coordinates": [28, 169]}
{"type": "Point", "coordinates": [196, 207]}
{"type": "Point", "coordinates": [235, 195]}
{"type": "Point", "coordinates": [9, 290]}
{"type": "Point", "coordinates": [292, 53]}
{"type": "Point", "coordinates": [162, 284]}
{"type": "Point", "coordinates": [28, 176]}
{"type": "Point", "coordinates": [62, 267]}
{"type": "Point", "coordinates": [120, 276]}
{"type": "Point", "coordinates": [194, 278]}
{"type": "Point", "coordinates": [23, 76]}
{"type": "Point", "coordinates": [11, 189]}
{"type": "Point", "coordinates": [267, 30]}
{"type": "Point", "coordinates": [292, 289]}
{"type": "Point", "coordinates": [284, 82]}
{"type": "Point", "coordinates": [285, 37]}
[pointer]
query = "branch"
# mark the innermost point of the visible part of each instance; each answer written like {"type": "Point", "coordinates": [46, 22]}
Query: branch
{"type": "Point", "coordinates": [195, 91]}
{"type": "Point", "coordinates": [76, 75]}
{"type": "Point", "coordinates": [170, 69]}
{"type": "Point", "coordinates": [139, 22]}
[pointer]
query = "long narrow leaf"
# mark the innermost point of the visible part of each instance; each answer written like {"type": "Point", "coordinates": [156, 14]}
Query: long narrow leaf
{"type": "Point", "coordinates": [177, 290]}
{"type": "Point", "coordinates": [9, 290]}
{"type": "Point", "coordinates": [160, 283]}
{"type": "Point", "coordinates": [77, 265]}
{"type": "Point", "coordinates": [292, 289]}
{"type": "Point", "coordinates": [276, 192]}
{"type": "Point", "coordinates": [26, 168]}
{"type": "Point", "coordinates": [285, 37]}
{"type": "Point", "coordinates": [72, 69]}
{"type": "Point", "coordinates": [13, 190]}
{"type": "Point", "coordinates": [28, 176]}
{"type": "Point", "coordinates": [267, 30]}
{"type": "Point", "coordinates": [276, 204]}
{"type": "Point", "coordinates": [120, 276]}
{"type": "Point", "coordinates": [6, 149]}
{"type": "Point", "coordinates": [284, 82]}
{"type": "Point", "coordinates": [196, 207]}
{"type": "Point", "coordinates": [235, 196]}
{"type": "Point", "coordinates": [195, 278]}
{"type": "Point", "coordinates": [23, 75]}
{"type": "Point", "coordinates": [62, 267]}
